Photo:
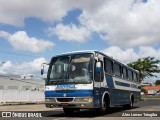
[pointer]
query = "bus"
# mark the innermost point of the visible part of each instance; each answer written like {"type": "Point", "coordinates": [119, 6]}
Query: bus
{"type": "Point", "coordinates": [90, 80]}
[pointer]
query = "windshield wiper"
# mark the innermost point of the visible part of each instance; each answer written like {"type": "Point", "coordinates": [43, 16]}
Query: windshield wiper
{"type": "Point", "coordinates": [56, 81]}
{"type": "Point", "coordinates": [72, 81]}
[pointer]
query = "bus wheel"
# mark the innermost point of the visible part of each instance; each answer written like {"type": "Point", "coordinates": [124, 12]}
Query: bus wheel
{"type": "Point", "coordinates": [68, 111]}
{"type": "Point", "coordinates": [105, 106]}
{"type": "Point", "coordinates": [130, 105]}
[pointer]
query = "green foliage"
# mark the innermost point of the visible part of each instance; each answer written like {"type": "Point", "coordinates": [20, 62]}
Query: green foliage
{"type": "Point", "coordinates": [157, 82]}
{"type": "Point", "coordinates": [146, 67]}
{"type": "Point", "coordinates": [143, 90]}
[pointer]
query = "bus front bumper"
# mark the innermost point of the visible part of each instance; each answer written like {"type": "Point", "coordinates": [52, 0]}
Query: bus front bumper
{"type": "Point", "coordinates": [78, 102]}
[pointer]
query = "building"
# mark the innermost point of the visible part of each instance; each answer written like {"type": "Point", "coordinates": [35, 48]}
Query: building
{"type": "Point", "coordinates": [16, 82]}
{"type": "Point", "coordinates": [150, 88]}
{"type": "Point", "coordinates": [14, 89]}
{"type": "Point", "coordinates": [155, 88]}
{"type": "Point", "coordinates": [146, 84]}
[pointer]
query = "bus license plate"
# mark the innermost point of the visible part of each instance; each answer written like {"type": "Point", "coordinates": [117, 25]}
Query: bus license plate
{"type": "Point", "coordinates": [64, 104]}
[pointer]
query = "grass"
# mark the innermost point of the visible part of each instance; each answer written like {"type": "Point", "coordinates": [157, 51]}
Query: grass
{"type": "Point", "coordinates": [150, 97]}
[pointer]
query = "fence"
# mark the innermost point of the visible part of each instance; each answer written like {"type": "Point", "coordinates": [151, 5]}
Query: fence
{"type": "Point", "coordinates": [21, 96]}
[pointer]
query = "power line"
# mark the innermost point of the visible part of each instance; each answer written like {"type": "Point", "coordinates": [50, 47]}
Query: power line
{"type": "Point", "coordinates": [19, 54]}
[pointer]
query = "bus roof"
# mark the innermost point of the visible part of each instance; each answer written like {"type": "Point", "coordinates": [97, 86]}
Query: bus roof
{"type": "Point", "coordinates": [95, 51]}
{"type": "Point", "coordinates": [77, 52]}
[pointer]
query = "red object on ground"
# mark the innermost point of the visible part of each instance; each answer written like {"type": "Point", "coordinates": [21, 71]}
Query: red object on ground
{"type": "Point", "coordinates": [146, 93]}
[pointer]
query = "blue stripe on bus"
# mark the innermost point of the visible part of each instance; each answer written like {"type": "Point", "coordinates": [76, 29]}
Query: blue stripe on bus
{"type": "Point", "coordinates": [69, 93]}
{"type": "Point", "coordinates": [122, 84]}
{"type": "Point", "coordinates": [109, 80]}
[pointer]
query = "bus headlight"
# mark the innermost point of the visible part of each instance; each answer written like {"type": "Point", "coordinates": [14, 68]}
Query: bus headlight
{"type": "Point", "coordinates": [88, 99]}
{"type": "Point", "coordinates": [85, 99]}
{"type": "Point", "coordinates": [50, 100]}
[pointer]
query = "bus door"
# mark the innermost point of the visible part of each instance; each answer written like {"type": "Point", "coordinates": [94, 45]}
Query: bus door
{"type": "Point", "coordinates": [98, 79]}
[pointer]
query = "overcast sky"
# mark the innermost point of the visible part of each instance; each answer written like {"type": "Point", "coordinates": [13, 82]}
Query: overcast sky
{"type": "Point", "coordinates": [32, 31]}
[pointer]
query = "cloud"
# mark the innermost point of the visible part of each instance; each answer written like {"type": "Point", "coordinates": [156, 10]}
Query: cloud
{"type": "Point", "coordinates": [133, 22]}
{"type": "Point", "coordinates": [15, 12]}
{"type": "Point", "coordinates": [32, 67]}
{"type": "Point", "coordinates": [149, 51]}
{"type": "Point", "coordinates": [130, 55]}
{"type": "Point", "coordinates": [5, 67]}
{"type": "Point", "coordinates": [118, 22]}
{"type": "Point", "coordinates": [125, 21]}
{"type": "Point", "coordinates": [21, 41]}
{"type": "Point", "coordinates": [70, 32]}
{"type": "Point", "coordinates": [124, 55]}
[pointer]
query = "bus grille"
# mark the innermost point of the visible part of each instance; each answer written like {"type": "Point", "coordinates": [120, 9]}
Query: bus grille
{"type": "Point", "coordinates": [64, 99]}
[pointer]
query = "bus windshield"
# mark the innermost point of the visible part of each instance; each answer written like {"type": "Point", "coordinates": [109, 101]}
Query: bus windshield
{"type": "Point", "coordinates": [71, 69]}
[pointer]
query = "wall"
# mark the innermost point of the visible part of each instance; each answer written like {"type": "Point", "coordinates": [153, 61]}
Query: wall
{"type": "Point", "coordinates": [21, 96]}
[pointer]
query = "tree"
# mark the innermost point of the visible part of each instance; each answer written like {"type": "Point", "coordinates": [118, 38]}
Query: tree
{"type": "Point", "coordinates": [146, 67]}
{"type": "Point", "coordinates": [143, 90]}
{"type": "Point", "coordinates": [157, 82]}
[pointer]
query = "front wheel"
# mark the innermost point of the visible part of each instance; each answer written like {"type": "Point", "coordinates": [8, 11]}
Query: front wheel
{"type": "Point", "coordinates": [68, 111]}
{"type": "Point", "coordinates": [105, 107]}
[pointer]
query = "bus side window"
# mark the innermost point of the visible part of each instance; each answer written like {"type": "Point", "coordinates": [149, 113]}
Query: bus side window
{"type": "Point", "coordinates": [117, 69]}
{"type": "Point", "coordinates": [125, 76]}
{"type": "Point", "coordinates": [102, 72]}
{"type": "Point", "coordinates": [112, 69]}
{"type": "Point", "coordinates": [130, 75]}
{"type": "Point", "coordinates": [120, 70]}
{"type": "Point", "coordinates": [138, 80]}
{"type": "Point", "coordinates": [108, 66]}
{"type": "Point", "coordinates": [134, 77]}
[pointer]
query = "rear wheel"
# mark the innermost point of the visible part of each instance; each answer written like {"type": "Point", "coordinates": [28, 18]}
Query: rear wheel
{"type": "Point", "coordinates": [68, 111]}
{"type": "Point", "coordinates": [130, 105]}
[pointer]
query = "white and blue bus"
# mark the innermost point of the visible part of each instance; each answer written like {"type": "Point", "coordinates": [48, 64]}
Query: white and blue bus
{"type": "Point", "coordinates": [90, 80]}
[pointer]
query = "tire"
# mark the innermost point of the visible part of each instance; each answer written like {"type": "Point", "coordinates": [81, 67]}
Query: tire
{"type": "Point", "coordinates": [105, 106]}
{"type": "Point", "coordinates": [130, 105]}
{"type": "Point", "coordinates": [68, 111]}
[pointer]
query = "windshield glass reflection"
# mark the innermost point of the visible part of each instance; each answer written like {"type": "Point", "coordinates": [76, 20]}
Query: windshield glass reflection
{"type": "Point", "coordinates": [68, 69]}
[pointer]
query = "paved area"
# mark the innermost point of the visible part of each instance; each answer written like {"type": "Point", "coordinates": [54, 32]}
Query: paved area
{"type": "Point", "coordinates": [57, 114]}
{"type": "Point", "coordinates": [33, 107]}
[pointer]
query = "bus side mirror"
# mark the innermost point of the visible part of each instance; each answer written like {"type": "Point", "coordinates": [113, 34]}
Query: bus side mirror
{"type": "Point", "coordinates": [42, 69]}
{"type": "Point", "coordinates": [98, 67]}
